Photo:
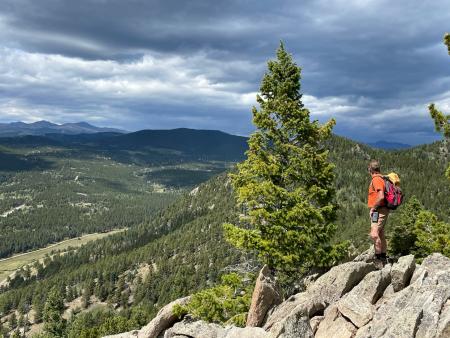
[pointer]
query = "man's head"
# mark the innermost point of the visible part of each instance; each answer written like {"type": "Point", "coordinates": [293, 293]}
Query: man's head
{"type": "Point", "coordinates": [374, 167]}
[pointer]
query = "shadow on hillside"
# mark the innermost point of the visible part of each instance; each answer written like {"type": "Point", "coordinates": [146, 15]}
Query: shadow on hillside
{"type": "Point", "coordinates": [14, 163]}
{"type": "Point", "coordinates": [113, 185]}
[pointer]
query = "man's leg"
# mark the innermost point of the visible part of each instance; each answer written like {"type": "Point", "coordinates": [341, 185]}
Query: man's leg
{"type": "Point", "coordinates": [377, 232]}
{"type": "Point", "coordinates": [375, 235]}
{"type": "Point", "coordinates": [382, 219]}
{"type": "Point", "coordinates": [382, 240]}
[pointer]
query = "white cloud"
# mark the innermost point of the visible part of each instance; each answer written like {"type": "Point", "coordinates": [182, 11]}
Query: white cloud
{"type": "Point", "coordinates": [41, 79]}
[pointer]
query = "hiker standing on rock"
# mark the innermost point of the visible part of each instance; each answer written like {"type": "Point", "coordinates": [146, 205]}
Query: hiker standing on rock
{"type": "Point", "coordinates": [378, 211]}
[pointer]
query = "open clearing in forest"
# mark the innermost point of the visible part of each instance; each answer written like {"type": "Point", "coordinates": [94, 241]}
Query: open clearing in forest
{"type": "Point", "coordinates": [11, 264]}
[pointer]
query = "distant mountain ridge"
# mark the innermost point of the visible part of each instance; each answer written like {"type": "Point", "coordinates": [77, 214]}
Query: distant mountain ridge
{"type": "Point", "coordinates": [181, 143]}
{"type": "Point", "coordinates": [44, 127]}
{"type": "Point", "coordinates": [389, 145]}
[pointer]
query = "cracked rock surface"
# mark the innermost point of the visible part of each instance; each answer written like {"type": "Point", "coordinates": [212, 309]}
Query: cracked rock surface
{"type": "Point", "coordinates": [352, 300]}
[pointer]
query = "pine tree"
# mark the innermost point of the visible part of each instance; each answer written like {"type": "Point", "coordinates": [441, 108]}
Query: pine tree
{"type": "Point", "coordinates": [403, 235]}
{"type": "Point", "coordinates": [54, 324]}
{"type": "Point", "coordinates": [3, 331]}
{"type": "Point", "coordinates": [432, 234]}
{"type": "Point", "coordinates": [38, 307]}
{"type": "Point", "coordinates": [285, 187]}
{"type": "Point", "coordinates": [442, 121]}
{"type": "Point", "coordinates": [12, 321]}
{"type": "Point", "coordinates": [87, 293]}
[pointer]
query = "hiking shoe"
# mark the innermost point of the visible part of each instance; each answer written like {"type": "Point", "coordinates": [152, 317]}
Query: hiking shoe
{"type": "Point", "coordinates": [391, 260]}
{"type": "Point", "coordinates": [379, 263]}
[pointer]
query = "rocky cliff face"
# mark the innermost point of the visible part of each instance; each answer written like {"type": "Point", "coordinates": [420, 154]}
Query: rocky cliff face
{"type": "Point", "coordinates": [352, 300]}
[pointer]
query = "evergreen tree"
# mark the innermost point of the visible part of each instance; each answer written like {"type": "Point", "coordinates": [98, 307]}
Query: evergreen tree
{"type": "Point", "coordinates": [432, 235]}
{"type": "Point", "coordinates": [403, 236]}
{"type": "Point", "coordinates": [54, 324]}
{"type": "Point", "coordinates": [3, 331]}
{"type": "Point", "coordinates": [286, 185]}
{"type": "Point", "coordinates": [87, 293]}
{"type": "Point", "coordinates": [442, 121]}
{"type": "Point", "coordinates": [12, 321]}
{"type": "Point", "coordinates": [419, 231]}
{"type": "Point", "coordinates": [38, 307]}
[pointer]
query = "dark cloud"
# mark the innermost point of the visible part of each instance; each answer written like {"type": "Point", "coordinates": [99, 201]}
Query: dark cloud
{"type": "Point", "coordinates": [200, 62]}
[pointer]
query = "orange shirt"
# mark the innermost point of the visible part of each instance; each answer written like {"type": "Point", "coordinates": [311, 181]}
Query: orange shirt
{"type": "Point", "coordinates": [375, 186]}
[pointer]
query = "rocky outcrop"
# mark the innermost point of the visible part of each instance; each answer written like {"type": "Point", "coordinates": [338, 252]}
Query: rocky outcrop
{"type": "Point", "coordinates": [326, 290]}
{"type": "Point", "coordinates": [265, 296]}
{"type": "Point", "coordinates": [163, 320]}
{"type": "Point", "coordinates": [335, 325]}
{"type": "Point", "coordinates": [198, 329]}
{"type": "Point", "coordinates": [352, 300]}
{"type": "Point", "coordinates": [295, 325]}
{"type": "Point", "coordinates": [358, 304]}
{"type": "Point", "coordinates": [419, 309]}
{"type": "Point", "coordinates": [402, 271]}
{"type": "Point", "coordinates": [201, 329]}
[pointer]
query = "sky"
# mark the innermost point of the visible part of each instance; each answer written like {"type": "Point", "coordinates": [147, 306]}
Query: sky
{"type": "Point", "coordinates": [373, 65]}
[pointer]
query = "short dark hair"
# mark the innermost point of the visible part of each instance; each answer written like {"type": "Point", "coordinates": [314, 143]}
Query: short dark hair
{"type": "Point", "coordinates": [374, 166]}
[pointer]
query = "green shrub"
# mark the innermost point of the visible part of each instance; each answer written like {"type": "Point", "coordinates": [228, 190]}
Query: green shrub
{"type": "Point", "coordinates": [420, 232]}
{"type": "Point", "coordinates": [227, 303]}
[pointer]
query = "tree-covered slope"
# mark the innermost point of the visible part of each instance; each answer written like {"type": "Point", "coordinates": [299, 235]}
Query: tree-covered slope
{"type": "Point", "coordinates": [179, 251]}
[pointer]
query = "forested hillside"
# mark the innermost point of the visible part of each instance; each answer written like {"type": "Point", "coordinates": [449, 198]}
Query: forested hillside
{"type": "Point", "coordinates": [62, 186]}
{"type": "Point", "coordinates": [181, 249]}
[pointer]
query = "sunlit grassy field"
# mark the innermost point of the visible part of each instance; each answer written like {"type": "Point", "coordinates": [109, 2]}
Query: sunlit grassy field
{"type": "Point", "coordinates": [11, 264]}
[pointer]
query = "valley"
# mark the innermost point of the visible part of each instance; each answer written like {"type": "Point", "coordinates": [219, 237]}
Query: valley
{"type": "Point", "coordinates": [61, 186]}
{"type": "Point", "coordinates": [9, 265]}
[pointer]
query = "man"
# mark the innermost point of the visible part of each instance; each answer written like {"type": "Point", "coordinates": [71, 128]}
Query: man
{"type": "Point", "coordinates": [378, 212]}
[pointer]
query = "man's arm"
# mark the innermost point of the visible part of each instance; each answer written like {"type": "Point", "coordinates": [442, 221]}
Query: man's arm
{"type": "Point", "coordinates": [380, 198]}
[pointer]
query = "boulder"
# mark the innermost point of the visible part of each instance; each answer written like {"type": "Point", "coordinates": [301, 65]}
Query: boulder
{"type": "Point", "coordinates": [314, 322]}
{"type": "Point", "coordinates": [131, 334]}
{"type": "Point", "coordinates": [389, 312]}
{"type": "Point", "coordinates": [435, 264]}
{"type": "Point", "coordinates": [265, 296]}
{"type": "Point", "coordinates": [434, 310]}
{"type": "Point", "coordinates": [197, 329]}
{"type": "Point", "coordinates": [357, 305]}
{"type": "Point", "coordinates": [418, 271]}
{"type": "Point", "coordinates": [443, 329]}
{"type": "Point", "coordinates": [294, 326]}
{"type": "Point", "coordinates": [367, 256]}
{"type": "Point", "coordinates": [359, 312]}
{"type": "Point", "coordinates": [363, 332]}
{"type": "Point", "coordinates": [339, 280]}
{"type": "Point", "coordinates": [246, 332]}
{"type": "Point", "coordinates": [163, 320]}
{"type": "Point", "coordinates": [404, 325]}
{"type": "Point", "coordinates": [388, 292]}
{"type": "Point", "coordinates": [334, 325]}
{"type": "Point", "coordinates": [402, 271]}
{"type": "Point", "coordinates": [300, 303]}
{"type": "Point", "coordinates": [419, 310]}
{"type": "Point", "coordinates": [326, 290]}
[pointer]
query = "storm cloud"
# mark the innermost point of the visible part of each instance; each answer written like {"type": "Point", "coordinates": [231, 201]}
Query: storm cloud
{"type": "Point", "coordinates": [373, 65]}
